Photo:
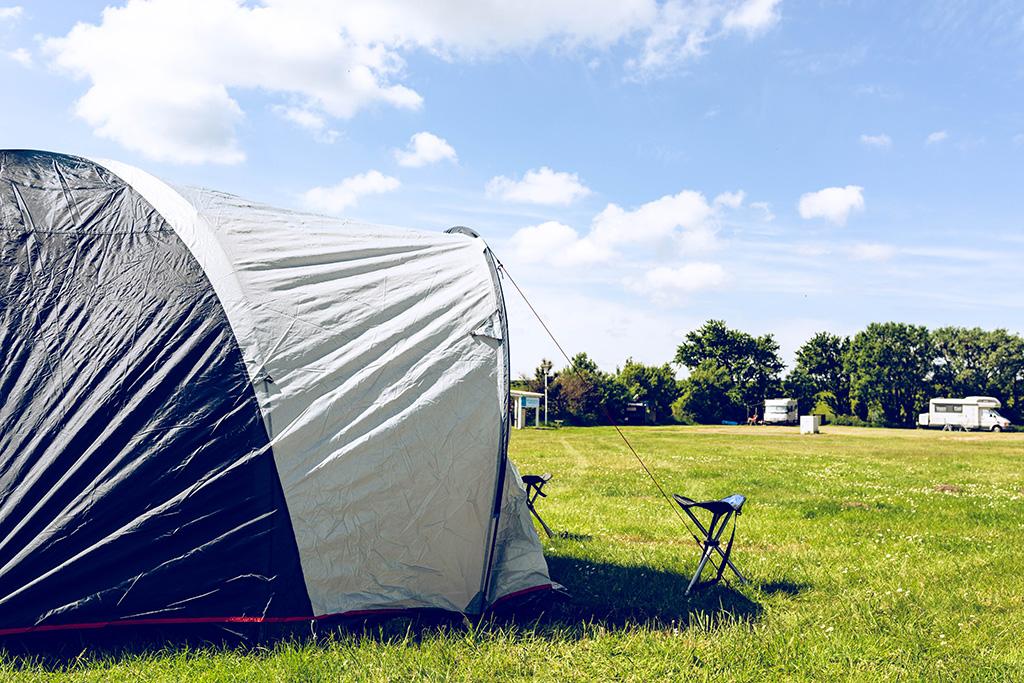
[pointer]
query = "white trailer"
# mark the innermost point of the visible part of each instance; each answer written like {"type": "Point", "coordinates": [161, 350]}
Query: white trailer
{"type": "Point", "coordinates": [781, 411]}
{"type": "Point", "coordinates": [973, 412]}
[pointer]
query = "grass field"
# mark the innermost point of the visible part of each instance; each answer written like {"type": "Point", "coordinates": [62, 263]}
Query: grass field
{"type": "Point", "coordinates": [873, 555]}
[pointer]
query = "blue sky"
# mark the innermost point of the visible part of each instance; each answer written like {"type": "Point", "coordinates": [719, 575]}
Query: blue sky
{"type": "Point", "coordinates": [639, 166]}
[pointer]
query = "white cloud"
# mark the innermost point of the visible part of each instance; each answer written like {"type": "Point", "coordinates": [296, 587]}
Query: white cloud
{"type": "Point", "coordinates": [425, 148]}
{"type": "Point", "coordinates": [673, 31]}
{"type": "Point", "coordinates": [556, 244]}
{"type": "Point", "coordinates": [161, 72]}
{"type": "Point", "coordinates": [337, 198]}
{"type": "Point", "coordinates": [834, 204]}
{"type": "Point", "coordinates": [162, 75]}
{"type": "Point", "coordinates": [665, 283]}
{"type": "Point", "coordinates": [686, 213]}
{"type": "Point", "coordinates": [732, 200]}
{"type": "Point", "coordinates": [309, 120]}
{"type": "Point", "coordinates": [936, 137]}
{"type": "Point", "coordinates": [766, 210]}
{"type": "Point", "coordinates": [11, 13]}
{"type": "Point", "coordinates": [881, 141]}
{"type": "Point", "coordinates": [753, 16]}
{"type": "Point", "coordinates": [811, 250]}
{"type": "Point", "coordinates": [872, 252]}
{"type": "Point", "coordinates": [543, 186]}
{"type": "Point", "coordinates": [685, 220]}
{"type": "Point", "coordinates": [539, 243]}
{"type": "Point", "coordinates": [679, 34]}
{"type": "Point", "coordinates": [887, 92]}
{"type": "Point", "coordinates": [1018, 139]}
{"type": "Point", "coordinates": [21, 56]}
{"type": "Point", "coordinates": [682, 29]}
{"type": "Point", "coordinates": [485, 27]}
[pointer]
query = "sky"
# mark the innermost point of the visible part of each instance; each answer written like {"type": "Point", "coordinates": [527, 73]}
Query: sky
{"type": "Point", "coordinates": [638, 166]}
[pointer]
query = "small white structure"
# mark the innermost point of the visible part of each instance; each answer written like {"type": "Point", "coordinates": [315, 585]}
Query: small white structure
{"type": "Point", "coordinates": [810, 424]}
{"type": "Point", "coordinates": [973, 412]}
{"type": "Point", "coordinates": [523, 401]}
{"type": "Point", "coordinates": [780, 411]}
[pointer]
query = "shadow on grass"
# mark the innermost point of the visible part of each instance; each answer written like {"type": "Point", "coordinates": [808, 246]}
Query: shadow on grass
{"type": "Point", "coordinates": [619, 596]}
{"type": "Point", "coordinates": [784, 587]}
{"type": "Point", "coordinates": [603, 594]}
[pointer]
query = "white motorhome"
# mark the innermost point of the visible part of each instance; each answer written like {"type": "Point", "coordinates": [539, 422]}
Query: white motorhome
{"type": "Point", "coordinates": [973, 412]}
{"type": "Point", "coordinates": [781, 411]}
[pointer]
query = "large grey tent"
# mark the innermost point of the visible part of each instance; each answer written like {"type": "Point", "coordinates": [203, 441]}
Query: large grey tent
{"type": "Point", "coordinates": [217, 411]}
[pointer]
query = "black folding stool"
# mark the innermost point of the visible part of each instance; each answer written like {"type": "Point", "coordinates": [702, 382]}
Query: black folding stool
{"type": "Point", "coordinates": [534, 483]}
{"type": "Point", "coordinates": [721, 511]}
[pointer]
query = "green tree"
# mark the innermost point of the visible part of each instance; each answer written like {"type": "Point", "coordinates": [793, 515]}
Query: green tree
{"type": "Point", "coordinates": [1005, 361]}
{"type": "Point", "coordinates": [973, 362]}
{"type": "Point", "coordinates": [586, 395]}
{"type": "Point", "coordinates": [821, 360]}
{"type": "Point", "coordinates": [706, 396]}
{"type": "Point", "coordinates": [960, 355]}
{"type": "Point", "coordinates": [752, 363]}
{"type": "Point", "coordinates": [655, 384]}
{"type": "Point", "coordinates": [761, 378]}
{"type": "Point", "coordinates": [582, 363]}
{"type": "Point", "coordinates": [890, 367]}
{"type": "Point", "coordinates": [801, 386]}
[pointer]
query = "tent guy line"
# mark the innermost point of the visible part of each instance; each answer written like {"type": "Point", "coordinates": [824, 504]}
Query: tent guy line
{"type": "Point", "coordinates": [504, 271]}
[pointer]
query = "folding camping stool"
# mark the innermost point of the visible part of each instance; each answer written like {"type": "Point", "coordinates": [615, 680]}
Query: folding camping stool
{"type": "Point", "coordinates": [534, 485]}
{"type": "Point", "coordinates": [721, 511]}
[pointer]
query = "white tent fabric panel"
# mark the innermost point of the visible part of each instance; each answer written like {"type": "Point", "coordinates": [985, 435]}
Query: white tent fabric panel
{"type": "Point", "coordinates": [383, 408]}
{"type": "Point", "coordinates": [519, 562]}
{"type": "Point", "coordinates": [378, 361]}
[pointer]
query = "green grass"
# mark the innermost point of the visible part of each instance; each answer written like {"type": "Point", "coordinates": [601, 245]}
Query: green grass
{"type": "Point", "coordinates": [873, 555]}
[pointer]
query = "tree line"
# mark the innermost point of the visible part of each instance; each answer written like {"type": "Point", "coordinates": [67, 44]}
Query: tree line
{"type": "Point", "coordinates": [883, 375]}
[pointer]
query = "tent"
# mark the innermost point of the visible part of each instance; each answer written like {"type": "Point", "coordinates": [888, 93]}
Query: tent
{"type": "Point", "coordinates": [215, 411]}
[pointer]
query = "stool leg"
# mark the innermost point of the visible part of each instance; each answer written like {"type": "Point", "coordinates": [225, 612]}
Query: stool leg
{"type": "Point", "coordinates": [731, 566]}
{"type": "Point", "coordinates": [533, 510]}
{"type": "Point", "coordinates": [700, 567]}
{"type": "Point", "coordinates": [547, 529]}
{"type": "Point", "coordinates": [725, 555]}
{"type": "Point", "coordinates": [735, 571]}
{"type": "Point", "coordinates": [710, 532]}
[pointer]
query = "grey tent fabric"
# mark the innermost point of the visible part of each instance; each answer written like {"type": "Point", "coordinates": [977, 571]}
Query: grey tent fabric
{"type": "Point", "coordinates": [136, 480]}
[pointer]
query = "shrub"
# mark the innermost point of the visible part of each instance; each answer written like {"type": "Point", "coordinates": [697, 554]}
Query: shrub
{"type": "Point", "coordinates": [706, 396]}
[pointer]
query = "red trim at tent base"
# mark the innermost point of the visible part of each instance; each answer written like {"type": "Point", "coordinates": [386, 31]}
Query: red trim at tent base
{"type": "Point", "coordinates": [525, 591]}
{"type": "Point", "coordinates": [172, 621]}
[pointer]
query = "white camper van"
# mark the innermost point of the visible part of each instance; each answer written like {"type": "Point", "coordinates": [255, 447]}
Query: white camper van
{"type": "Point", "coordinates": [781, 411]}
{"type": "Point", "coordinates": [973, 412]}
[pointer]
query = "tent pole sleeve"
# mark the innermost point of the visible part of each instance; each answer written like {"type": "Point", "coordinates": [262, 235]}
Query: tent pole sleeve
{"type": "Point", "coordinates": [499, 479]}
